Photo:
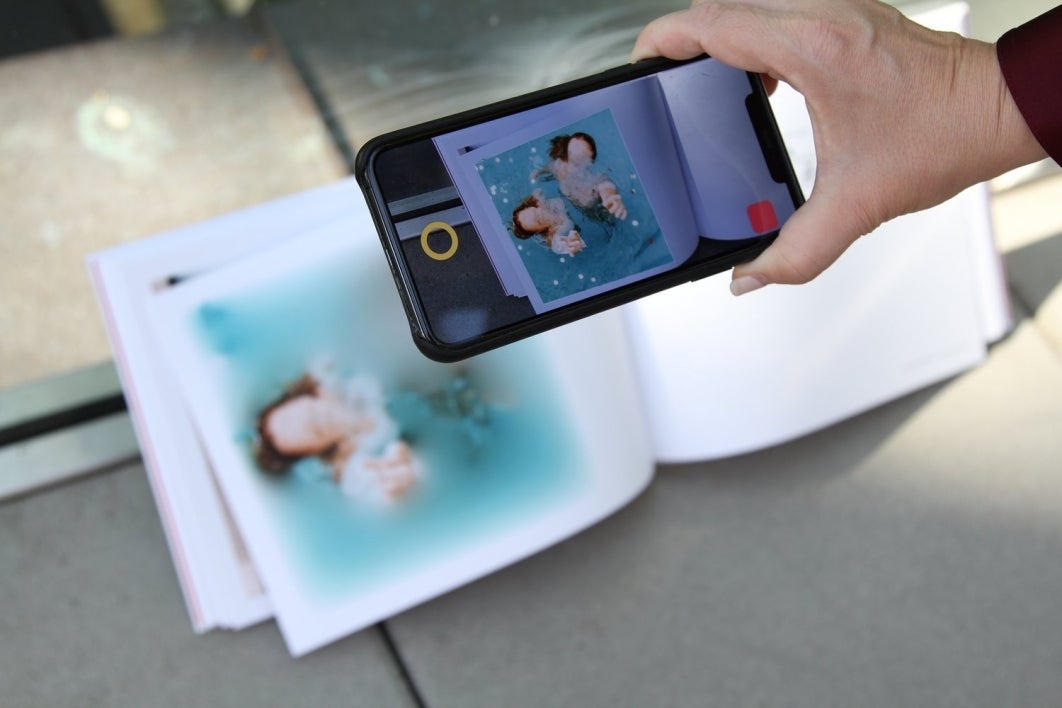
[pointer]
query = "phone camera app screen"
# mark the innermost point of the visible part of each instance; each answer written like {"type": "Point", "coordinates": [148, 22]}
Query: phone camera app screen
{"type": "Point", "coordinates": [507, 219]}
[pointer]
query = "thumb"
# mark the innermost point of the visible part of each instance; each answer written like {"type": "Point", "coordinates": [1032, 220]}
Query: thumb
{"type": "Point", "coordinates": [810, 241]}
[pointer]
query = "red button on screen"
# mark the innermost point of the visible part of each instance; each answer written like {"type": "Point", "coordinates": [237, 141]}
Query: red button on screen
{"type": "Point", "coordinates": [762, 217]}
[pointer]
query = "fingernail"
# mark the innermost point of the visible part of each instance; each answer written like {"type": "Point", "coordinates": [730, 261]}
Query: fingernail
{"type": "Point", "coordinates": [746, 284]}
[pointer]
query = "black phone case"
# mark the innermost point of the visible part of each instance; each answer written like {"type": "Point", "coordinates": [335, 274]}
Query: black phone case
{"type": "Point", "coordinates": [770, 142]}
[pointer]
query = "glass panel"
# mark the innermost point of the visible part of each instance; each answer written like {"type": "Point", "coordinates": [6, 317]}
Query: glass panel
{"type": "Point", "coordinates": [109, 140]}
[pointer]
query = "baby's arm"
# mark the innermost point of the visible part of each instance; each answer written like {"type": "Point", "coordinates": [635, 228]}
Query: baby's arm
{"type": "Point", "coordinates": [567, 245]}
{"type": "Point", "coordinates": [564, 238]}
{"type": "Point", "coordinates": [611, 199]}
{"type": "Point", "coordinates": [543, 173]}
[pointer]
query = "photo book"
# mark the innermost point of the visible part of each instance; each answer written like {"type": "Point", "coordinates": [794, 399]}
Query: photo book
{"type": "Point", "coordinates": [310, 465]}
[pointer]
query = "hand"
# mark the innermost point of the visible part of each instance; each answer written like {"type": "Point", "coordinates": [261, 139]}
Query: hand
{"type": "Point", "coordinates": [573, 242]}
{"type": "Point", "coordinates": [903, 117]}
{"type": "Point", "coordinates": [614, 204]}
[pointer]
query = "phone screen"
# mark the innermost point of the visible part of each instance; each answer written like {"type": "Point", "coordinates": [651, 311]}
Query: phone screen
{"type": "Point", "coordinates": [543, 210]}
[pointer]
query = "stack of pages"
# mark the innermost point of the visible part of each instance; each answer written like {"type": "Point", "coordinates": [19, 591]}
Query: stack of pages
{"type": "Point", "coordinates": [309, 464]}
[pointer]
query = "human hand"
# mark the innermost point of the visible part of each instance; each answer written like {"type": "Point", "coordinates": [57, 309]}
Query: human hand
{"type": "Point", "coordinates": [903, 117]}
{"type": "Point", "coordinates": [614, 204]}
{"type": "Point", "coordinates": [611, 199]}
{"type": "Point", "coordinates": [573, 242]}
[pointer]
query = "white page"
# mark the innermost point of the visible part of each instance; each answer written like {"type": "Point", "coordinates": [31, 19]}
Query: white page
{"type": "Point", "coordinates": [719, 149]}
{"type": "Point", "coordinates": [219, 587]}
{"type": "Point", "coordinates": [332, 562]}
{"type": "Point", "coordinates": [205, 554]}
{"type": "Point", "coordinates": [724, 375]}
{"type": "Point", "coordinates": [906, 306]}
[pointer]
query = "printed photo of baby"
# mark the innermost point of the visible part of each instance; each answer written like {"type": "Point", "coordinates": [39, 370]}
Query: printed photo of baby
{"type": "Point", "coordinates": [572, 159]}
{"type": "Point", "coordinates": [573, 204]}
{"type": "Point", "coordinates": [361, 460]}
{"type": "Point", "coordinates": [548, 219]}
{"type": "Point", "coordinates": [345, 425]}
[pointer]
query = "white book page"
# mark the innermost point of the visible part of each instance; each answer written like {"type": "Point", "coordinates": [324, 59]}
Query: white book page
{"type": "Point", "coordinates": [906, 306]}
{"type": "Point", "coordinates": [447, 473]}
{"type": "Point", "coordinates": [205, 553]}
{"type": "Point", "coordinates": [220, 586]}
{"type": "Point", "coordinates": [724, 376]}
{"type": "Point", "coordinates": [719, 150]}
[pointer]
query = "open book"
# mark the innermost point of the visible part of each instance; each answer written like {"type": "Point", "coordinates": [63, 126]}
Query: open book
{"type": "Point", "coordinates": [309, 464]}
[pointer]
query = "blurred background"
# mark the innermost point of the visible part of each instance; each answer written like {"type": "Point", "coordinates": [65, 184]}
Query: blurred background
{"type": "Point", "coordinates": [123, 118]}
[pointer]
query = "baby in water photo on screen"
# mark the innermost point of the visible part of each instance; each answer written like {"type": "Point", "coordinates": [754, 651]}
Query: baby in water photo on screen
{"type": "Point", "coordinates": [572, 202]}
{"type": "Point", "coordinates": [571, 163]}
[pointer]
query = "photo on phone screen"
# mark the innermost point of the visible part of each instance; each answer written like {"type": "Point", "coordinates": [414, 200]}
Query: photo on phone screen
{"type": "Point", "coordinates": [502, 221]}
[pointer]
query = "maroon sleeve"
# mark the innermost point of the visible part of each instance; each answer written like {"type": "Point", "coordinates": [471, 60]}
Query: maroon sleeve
{"type": "Point", "coordinates": [1031, 59]}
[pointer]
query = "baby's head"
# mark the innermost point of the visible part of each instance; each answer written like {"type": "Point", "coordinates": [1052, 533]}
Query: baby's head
{"type": "Point", "coordinates": [301, 422]}
{"type": "Point", "coordinates": [528, 218]}
{"type": "Point", "coordinates": [578, 148]}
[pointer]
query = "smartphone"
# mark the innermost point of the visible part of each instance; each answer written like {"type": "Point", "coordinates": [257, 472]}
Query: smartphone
{"type": "Point", "coordinates": [508, 220]}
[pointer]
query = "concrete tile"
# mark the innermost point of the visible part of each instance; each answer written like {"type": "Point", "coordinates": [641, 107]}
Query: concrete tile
{"type": "Point", "coordinates": [109, 141]}
{"type": "Point", "coordinates": [92, 616]}
{"type": "Point", "coordinates": [1028, 229]}
{"type": "Point", "coordinates": [1023, 215]}
{"type": "Point", "coordinates": [1049, 319]}
{"type": "Point", "coordinates": [909, 557]}
{"type": "Point", "coordinates": [1034, 272]}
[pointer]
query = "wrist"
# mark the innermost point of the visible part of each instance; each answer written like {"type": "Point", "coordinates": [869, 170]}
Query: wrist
{"type": "Point", "coordinates": [1004, 138]}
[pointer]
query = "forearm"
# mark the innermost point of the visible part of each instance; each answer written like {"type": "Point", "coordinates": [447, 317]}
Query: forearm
{"type": "Point", "coordinates": [607, 189]}
{"type": "Point", "coordinates": [990, 135]}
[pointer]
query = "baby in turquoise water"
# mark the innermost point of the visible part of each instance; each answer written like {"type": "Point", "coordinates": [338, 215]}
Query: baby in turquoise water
{"type": "Point", "coordinates": [571, 159]}
{"type": "Point", "coordinates": [547, 218]}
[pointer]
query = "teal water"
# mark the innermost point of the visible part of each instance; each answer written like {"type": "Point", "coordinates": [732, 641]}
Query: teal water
{"type": "Point", "coordinates": [615, 248]}
{"type": "Point", "coordinates": [491, 434]}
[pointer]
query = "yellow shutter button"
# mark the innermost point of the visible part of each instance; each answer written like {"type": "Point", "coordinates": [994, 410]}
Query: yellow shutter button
{"type": "Point", "coordinates": [431, 228]}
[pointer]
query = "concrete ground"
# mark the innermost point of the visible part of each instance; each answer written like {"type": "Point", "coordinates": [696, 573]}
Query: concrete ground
{"type": "Point", "coordinates": [911, 556]}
